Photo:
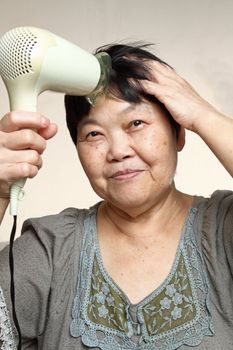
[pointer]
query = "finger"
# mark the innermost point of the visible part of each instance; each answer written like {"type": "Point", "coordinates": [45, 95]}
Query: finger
{"type": "Point", "coordinates": [155, 89]}
{"type": "Point", "coordinates": [23, 139]}
{"type": "Point", "coordinates": [161, 71]}
{"type": "Point", "coordinates": [17, 120]}
{"type": "Point", "coordinates": [28, 156]}
{"type": "Point", "coordinates": [158, 76]}
{"type": "Point", "coordinates": [48, 132]}
{"type": "Point", "coordinates": [13, 172]}
{"type": "Point", "coordinates": [162, 67]}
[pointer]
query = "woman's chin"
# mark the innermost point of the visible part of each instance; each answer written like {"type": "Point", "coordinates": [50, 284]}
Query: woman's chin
{"type": "Point", "coordinates": [137, 200]}
{"type": "Point", "coordinates": [129, 203]}
{"type": "Point", "coordinates": [134, 196]}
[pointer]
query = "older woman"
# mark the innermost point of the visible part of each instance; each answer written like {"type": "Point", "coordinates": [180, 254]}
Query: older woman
{"type": "Point", "coordinates": [148, 267]}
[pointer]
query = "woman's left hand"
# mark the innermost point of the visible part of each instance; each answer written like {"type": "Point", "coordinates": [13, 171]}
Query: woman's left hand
{"type": "Point", "coordinates": [192, 112]}
{"type": "Point", "coordinates": [180, 99]}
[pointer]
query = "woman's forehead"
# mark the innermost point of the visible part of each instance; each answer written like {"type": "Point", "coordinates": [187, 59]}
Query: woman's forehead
{"type": "Point", "coordinates": [119, 107]}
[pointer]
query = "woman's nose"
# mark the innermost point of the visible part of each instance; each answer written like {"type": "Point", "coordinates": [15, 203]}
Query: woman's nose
{"type": "Point", "coordinates": [120, 147]}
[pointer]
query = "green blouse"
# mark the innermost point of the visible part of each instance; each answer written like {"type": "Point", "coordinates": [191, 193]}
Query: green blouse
{"type": "Point", "coordinates": [175, 313]}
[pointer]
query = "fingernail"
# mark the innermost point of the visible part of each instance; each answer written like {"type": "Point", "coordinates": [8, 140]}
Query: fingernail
{"type": "Point", "coordinates": [44, 121]}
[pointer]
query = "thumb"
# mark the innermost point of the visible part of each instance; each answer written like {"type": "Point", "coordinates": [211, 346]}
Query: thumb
{"type": "Point", "coordinates": [49, 131]}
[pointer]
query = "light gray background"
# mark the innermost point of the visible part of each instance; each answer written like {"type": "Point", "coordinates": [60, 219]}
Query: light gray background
{"type": "Point", "coordinates": [194, 36]}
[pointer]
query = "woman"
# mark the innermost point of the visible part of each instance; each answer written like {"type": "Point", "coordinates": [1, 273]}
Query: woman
{"type": "Point", "coordinates": [149, 267]}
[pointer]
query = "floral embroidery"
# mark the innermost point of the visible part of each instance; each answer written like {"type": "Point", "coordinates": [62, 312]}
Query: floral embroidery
{"type": "Point", "coordinates": [176, 313]}
{"type": "Point", "coordinates": [105, 305]}
{"type": "Point", "coordinates": [177, 299]}
{"type": "Point", "coordinates": [165, 303]}
{"type": "Point", "coordinates": [6, 334]}
{"type": "Point", "coordinates": [170, 290]}
{"type": "Point", "coordinates": [173, 306]}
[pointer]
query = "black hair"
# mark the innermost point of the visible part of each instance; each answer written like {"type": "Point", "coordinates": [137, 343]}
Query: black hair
{"type": "Point", "coordinates": [129, 67]}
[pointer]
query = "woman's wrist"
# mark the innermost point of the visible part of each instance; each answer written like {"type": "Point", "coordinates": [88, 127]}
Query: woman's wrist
{"type": "Point", "coordinates": [4, 202]}
{"type": "Point", "coordinates": [207, 121]}
{"type": "Point", "coordinates": [5, 195]}
{"type": "Point", "coordinates": [4, 191]}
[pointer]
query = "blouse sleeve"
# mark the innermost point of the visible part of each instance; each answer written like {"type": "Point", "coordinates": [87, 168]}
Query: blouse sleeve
{"type": "Point", "coordinates": [225, 219]}
{"type": "Point", "coordinates": [216, 236]}
{"type": "Point", "coordinates": [217, 228]}
{"type": "Point", "coordinates": [39, 254]}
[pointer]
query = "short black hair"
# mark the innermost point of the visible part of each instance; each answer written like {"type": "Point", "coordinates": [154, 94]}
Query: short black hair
{"type": "Point", "coordinates": [129, 67]}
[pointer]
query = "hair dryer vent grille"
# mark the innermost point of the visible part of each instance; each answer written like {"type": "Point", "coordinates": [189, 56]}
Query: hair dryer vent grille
{"type": "Point", "coordinates": [15, 53]}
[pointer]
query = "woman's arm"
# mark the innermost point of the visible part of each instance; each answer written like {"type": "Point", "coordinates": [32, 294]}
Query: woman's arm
{"type": "Point", "coordinates": [192, 112]}
{"type": "Point", "coordinates": [217, 132]}
{"type": "Point", "coordinates": [3, 206]}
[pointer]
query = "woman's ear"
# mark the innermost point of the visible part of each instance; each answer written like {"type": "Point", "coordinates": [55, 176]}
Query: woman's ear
{"type": "Point", "coordinates": [181, 139]}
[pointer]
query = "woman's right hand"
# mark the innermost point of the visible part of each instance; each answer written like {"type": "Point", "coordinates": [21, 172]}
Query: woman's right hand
{"type": "Point", "coordinates": [23, 138]}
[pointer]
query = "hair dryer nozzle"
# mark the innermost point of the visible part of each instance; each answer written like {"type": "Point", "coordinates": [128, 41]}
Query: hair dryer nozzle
{"type": "Point", "coordinates": [105, 65]}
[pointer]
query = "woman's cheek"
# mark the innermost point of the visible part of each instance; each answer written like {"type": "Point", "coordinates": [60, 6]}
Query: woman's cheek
{"type": "Point", "coordinates": [147, 143]}
{"type": "Point", "coordinates": [92, 156]}
{"type": "Point", "coordinates": [156, 149]}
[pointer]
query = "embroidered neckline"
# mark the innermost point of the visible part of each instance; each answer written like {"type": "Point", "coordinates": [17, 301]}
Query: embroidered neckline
{"type": "Point", "coordinates": [104, 318]}
{"type": "Point", "coordinates": [6, 335]}
{"type": "Point", "coordinates": [114, 285]}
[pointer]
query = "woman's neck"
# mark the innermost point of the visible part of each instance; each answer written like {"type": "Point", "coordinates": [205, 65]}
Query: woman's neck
{"type": "Point", "coordinates": [158, 219]}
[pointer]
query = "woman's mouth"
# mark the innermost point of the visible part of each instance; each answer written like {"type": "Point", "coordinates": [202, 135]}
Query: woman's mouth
{"type": "Point", "coordinates": [125, 174]}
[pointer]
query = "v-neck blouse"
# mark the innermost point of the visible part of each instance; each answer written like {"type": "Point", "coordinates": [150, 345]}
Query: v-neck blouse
{"type": "Point", "coordinates": [175, 313]}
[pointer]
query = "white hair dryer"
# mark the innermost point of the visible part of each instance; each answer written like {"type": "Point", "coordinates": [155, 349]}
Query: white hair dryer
{"type": "Point", "coordinates": [33, 60]}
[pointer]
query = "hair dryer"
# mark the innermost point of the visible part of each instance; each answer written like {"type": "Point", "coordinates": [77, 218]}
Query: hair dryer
{"type": "Point", "coordinates": [33, 60]}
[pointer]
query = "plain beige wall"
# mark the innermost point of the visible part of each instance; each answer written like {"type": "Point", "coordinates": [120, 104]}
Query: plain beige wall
{"type": "Point", "coordinates": [194, 36]}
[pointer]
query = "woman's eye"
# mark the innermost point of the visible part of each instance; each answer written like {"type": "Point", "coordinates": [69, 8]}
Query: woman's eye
{"type": "Point", "coordinates": [136, 123]}
{"type": "Point", "coordinates": [92, 135]}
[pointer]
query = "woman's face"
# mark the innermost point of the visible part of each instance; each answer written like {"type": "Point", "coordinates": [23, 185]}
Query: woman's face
{"type": "Point", "coordinates": [129, 152]}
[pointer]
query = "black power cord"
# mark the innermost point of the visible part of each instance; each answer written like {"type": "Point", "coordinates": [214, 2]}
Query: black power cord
{"type": "Point", "coordinates": [12, 283]}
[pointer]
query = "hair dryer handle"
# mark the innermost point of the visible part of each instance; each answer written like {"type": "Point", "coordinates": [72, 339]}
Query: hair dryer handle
{"type": "Point", "coordinates": [16, 193]}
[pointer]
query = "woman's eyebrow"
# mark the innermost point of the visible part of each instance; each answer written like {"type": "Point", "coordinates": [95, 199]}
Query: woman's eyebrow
{"type": "Point", "coordinates": [94, 121]}
{"type": "Point", "coordinates": [86, 121]}
{"type": "Point", "coordinates": [128, 109]}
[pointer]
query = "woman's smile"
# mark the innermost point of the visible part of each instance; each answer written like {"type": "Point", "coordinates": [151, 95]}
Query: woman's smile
{"type": "Point", "coordinates": [127, 174]}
